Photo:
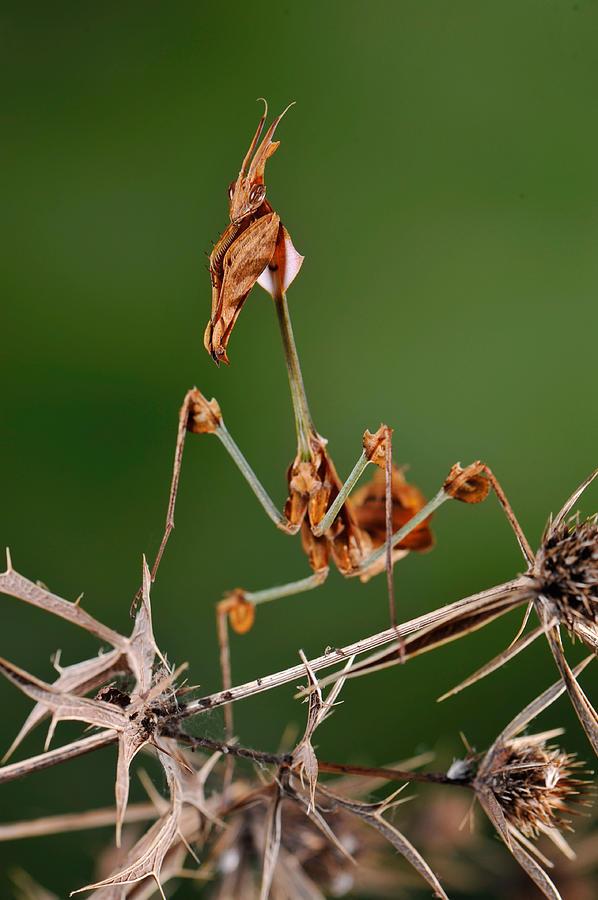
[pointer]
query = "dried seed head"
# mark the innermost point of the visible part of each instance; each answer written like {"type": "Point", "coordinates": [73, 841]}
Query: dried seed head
{"type": "Point", "coordinates": [566, 571]}
{"type": "Point", "coordinates": [535, 784]}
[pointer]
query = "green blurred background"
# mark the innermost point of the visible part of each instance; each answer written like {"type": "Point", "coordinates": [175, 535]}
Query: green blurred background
{"type": "Point", "coordinates": [439, 174]}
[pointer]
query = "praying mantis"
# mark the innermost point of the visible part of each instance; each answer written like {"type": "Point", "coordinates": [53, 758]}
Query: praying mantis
{"type": "Point", "coordinates": [361, 535]}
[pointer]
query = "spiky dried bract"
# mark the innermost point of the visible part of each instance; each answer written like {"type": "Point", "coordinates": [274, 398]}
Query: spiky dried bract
{"type": "Point", "coordinates": [537, 785]}
{"type": "Point", "coordinates": [566, 571]}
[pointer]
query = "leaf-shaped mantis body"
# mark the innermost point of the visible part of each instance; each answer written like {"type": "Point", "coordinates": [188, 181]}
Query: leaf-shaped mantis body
{"type": "Point", "coordinates": [243, 262]}
{"type": "Point", "coordinates": [254, 247]}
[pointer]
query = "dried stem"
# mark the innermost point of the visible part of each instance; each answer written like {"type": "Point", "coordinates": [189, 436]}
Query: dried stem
{"type": "Point", "coordinates": [335, 656]}
{"type": "Point", "coordinates": [96, 818]}
{"type": "Point", "coordinates": [196, 742]}
{"type": "Point", "coordinates": [54, 757]}
{"type": "Point", "coordinates": [391, 774]}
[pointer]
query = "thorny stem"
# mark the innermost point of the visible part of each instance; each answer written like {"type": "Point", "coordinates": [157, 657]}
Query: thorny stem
{"type": "Point", "coordinates": [235, 452]}
{"type": "Point", "coordinates": [59, 755]}
{"type": "Point", "coordinates": [303, 421]}
{"type": "Point", "coordinates": [229, 749]}
{"type": "Point", "coordinates": [251, 688]}
{"type": "Point", "coordinates": [286, 759]}
{"type": "Point", "coordinates": [391, 774]}
{"type": "Point", "coordinates": [334, 656]}
{"type": "Point", "coordinates": [413, 522]}
{"type": "Point", "coordinates": [335, 507]}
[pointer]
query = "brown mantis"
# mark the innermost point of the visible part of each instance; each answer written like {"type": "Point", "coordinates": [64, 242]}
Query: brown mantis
{"type": "Point", "coordinates": [254, 243]}
{"type": "Point", "coordinates": [360, 535]}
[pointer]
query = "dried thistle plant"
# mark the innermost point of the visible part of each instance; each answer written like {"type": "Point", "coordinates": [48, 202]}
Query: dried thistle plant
{"type": "Point", "coordinates": [560, 584]}
{"type": "Point", "coordinates": [290, 824]}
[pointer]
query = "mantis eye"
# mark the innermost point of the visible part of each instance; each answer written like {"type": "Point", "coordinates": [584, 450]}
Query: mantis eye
{"type": "Point", "coordinates": [231, 189]}
{"type": "Point", "coordinates": [257, 193]}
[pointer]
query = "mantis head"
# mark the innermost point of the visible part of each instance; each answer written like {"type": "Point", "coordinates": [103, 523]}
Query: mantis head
{"type": "Point", "coordinates": [248, 192]}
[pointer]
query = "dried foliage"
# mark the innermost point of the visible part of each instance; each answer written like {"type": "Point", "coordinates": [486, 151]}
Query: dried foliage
{"type": "Point", "coordinates": [291, 825]}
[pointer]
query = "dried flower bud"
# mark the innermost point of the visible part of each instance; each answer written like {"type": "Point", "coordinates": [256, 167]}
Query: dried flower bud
{"type": "Point", "coordinates": [469, 485]}
{"type": "Point", "coordinates": [241, 612]}
{"type": "Point", "coordinates": [204, 415]}
{"type": "Point", "coordinates": [375, 445]}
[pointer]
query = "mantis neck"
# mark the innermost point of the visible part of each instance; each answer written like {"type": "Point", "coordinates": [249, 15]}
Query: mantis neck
{"type": "Point", "coordinates": [303, 421]}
